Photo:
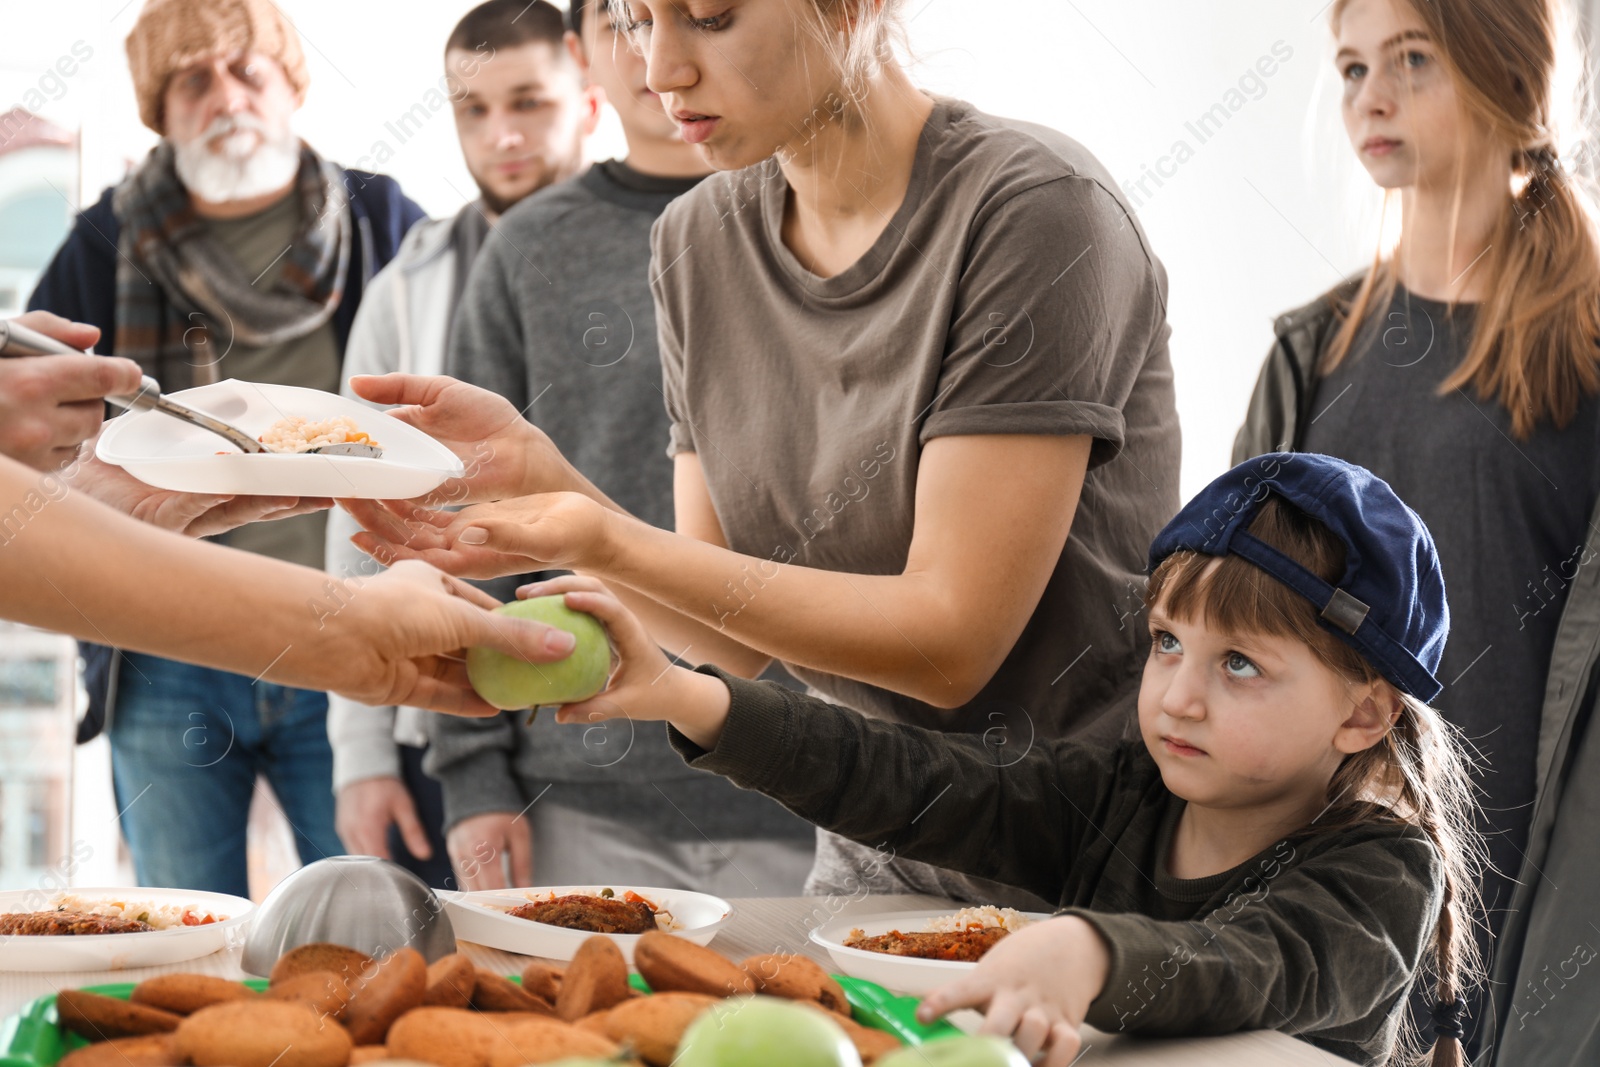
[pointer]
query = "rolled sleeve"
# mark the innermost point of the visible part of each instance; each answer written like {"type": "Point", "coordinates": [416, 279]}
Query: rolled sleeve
{"type": "Point", "coordinates": [680, 438]}
{"type": "Point", "coordinates": [1056, 313]}
{"type": "Point", "coordinates": [1064, 418]}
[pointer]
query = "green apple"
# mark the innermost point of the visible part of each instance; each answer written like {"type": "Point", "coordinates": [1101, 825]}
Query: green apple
{"type": "Point", "coordinates": [964, 1051]}
{"type": "Point", "coordinates": [511, 683]}
{"type": "Point", "coordinates": [767, 1031]}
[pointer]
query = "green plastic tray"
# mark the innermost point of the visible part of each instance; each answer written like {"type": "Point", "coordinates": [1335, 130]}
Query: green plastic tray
{"type": "Point", "coordinates": [33, 1037]}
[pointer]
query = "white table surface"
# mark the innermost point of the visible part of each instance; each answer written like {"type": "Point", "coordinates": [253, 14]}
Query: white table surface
{"type": "Point", "coordinates": [774, 924]}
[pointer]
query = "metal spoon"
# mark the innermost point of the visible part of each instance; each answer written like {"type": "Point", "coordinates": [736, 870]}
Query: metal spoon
{"type": "Point", "coordinates": [17, 340]}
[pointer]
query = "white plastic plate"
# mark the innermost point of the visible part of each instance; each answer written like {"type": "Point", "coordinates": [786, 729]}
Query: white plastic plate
{"type": "Point", "coordinates": [110, 952]}
{"type": "Point", "coordinates": [899, 974]}
{"type": "Point", "coordinates": [170, 454]}
{"type": "Point", "coordinates": [481, 918]}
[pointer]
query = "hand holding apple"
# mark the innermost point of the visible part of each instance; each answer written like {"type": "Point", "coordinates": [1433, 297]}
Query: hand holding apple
{"type": "Point", "coordinates": [646, 685]}
{"type": "Point", "coordinates": [400, 638]}
{"type": "Point", "coordinates": [510, 683]}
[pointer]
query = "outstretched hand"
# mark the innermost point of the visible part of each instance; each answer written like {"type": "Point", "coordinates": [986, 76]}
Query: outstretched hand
{"type": "Point", "coordinates": [544, 532]}
{"type": "Point", "coordinates": [646, 686]}
{"type": "Point", "coordinates": [191, 514]}
{"type": "Point", "coordinates": [1034, 986]}
{"type": "Point", "coordinates": [401, 639]}
{"type": "Point", "coordinates": [503, 453]}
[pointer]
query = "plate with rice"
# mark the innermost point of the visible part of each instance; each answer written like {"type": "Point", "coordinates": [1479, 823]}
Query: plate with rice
{"type": "Point", "coordinates": [291, 422]}
{"type": "Point", "coordinates": [915, 952]}
{"type": "Point", "coordinates": [110, 928]}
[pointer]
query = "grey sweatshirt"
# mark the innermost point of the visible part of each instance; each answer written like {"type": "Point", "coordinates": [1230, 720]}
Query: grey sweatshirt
{"type": "Point", "coordinates": [558, 318]}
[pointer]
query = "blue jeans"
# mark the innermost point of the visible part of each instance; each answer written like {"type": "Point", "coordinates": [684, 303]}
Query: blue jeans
{"type": "Point", "coordinates": [186, 745]}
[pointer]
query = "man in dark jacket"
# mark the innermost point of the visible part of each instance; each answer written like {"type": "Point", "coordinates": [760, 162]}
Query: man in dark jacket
{"type": "Point", "coordinates": [233, 251]}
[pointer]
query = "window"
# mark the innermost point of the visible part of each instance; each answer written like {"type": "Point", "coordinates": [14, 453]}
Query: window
{"type": "Point", "coordinates": [28, 682]}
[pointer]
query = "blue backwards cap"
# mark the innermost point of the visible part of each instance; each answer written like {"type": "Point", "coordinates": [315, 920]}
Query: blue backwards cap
{"type": "Point", "coordinates": [1389, 605]}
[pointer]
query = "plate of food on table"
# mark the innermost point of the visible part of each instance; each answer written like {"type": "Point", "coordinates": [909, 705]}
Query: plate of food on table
{"type": "Point", "coordinates": [916, 951]}
{"type": "Point", "coordinates": [329, 1005]}
{"type": "Point", "coordinates": [112, 928]}
{"type": "Point", "coordinates": [553, 921]}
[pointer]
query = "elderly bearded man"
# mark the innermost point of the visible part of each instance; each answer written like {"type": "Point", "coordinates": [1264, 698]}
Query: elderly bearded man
{"type": "Point", "coordinates": [233, 251]}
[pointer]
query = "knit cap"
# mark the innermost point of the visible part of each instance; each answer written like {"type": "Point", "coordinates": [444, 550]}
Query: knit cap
{"type": "Point", "coordinates": [173, 34]}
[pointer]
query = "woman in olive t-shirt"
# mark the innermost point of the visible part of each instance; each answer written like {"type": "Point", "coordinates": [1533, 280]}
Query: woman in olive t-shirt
{"type": "Point", "coordinates": [906, 347]}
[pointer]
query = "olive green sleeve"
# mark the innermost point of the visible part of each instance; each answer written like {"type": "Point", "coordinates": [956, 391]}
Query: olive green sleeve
{"type": "Point", "coordinates": [916, 793]}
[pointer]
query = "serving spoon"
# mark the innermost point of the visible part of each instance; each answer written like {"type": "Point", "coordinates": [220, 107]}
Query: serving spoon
{"type": "Point", "coordinates": [18, 340]}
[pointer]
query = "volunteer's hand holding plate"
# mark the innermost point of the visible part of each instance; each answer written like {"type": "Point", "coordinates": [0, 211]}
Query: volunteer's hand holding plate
{"type": "Point", "coordinates": [168, 454]}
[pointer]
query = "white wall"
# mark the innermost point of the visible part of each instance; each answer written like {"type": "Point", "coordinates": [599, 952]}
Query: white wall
{"type": "Point", "coordinates": [1252, 223]}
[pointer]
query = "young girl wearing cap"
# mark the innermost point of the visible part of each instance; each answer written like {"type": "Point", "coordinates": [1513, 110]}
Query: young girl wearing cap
{"type": "Point", "coordinates": [1462, 368]}
{"type": "Point", "coordinates": [1286, 846]}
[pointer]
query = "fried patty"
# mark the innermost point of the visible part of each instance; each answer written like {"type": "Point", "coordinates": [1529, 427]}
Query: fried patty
{"type": "Point", "coordinates": [597, 915]}
{"type": "Point", "coordinates": [67, 922]}
{"type": "Point", "coordinates": [964, 946]}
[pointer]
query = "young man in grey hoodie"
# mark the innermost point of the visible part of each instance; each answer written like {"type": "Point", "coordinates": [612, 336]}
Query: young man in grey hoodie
{"type": "Point", "coordinates": [523, 110]}
{"type": "Point", "coordinates": [558, 317]}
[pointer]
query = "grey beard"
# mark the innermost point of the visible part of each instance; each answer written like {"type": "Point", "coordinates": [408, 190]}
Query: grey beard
{"type": "Point", "coordinates": [221, 178]}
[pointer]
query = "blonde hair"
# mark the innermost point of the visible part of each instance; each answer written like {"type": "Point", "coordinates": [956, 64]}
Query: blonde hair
{"type": "Point", "coordinates": [1417, 775]}
{"type": "Point", "coordinates": [860, 37]}
{"type": "Point", "coordinates": [1534, 345]}
{"type": "Point", "coordinates": [874, 29]}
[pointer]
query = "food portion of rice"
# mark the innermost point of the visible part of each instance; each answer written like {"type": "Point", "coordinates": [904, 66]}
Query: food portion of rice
{"type": "Point", "coordinates": [157, 916]}
{"type": "Point", "coordinates": [296, 434]}
{"type": "Point", "coordinates": [1008, 919]}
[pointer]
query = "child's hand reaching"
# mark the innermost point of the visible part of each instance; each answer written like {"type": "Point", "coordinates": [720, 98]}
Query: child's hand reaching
{"type": "Point", "coordinates": [1034, 986]}
{"type": "Point", "coordinates": [647, 685]}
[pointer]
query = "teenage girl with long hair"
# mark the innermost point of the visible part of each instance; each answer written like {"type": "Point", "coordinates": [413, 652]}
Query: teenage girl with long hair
{"type": "Point", "coordinates": [1462, 367]}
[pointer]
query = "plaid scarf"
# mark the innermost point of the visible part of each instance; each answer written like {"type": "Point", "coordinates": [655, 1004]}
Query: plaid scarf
{"type": "Point", "coordinates": [183, 301]}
